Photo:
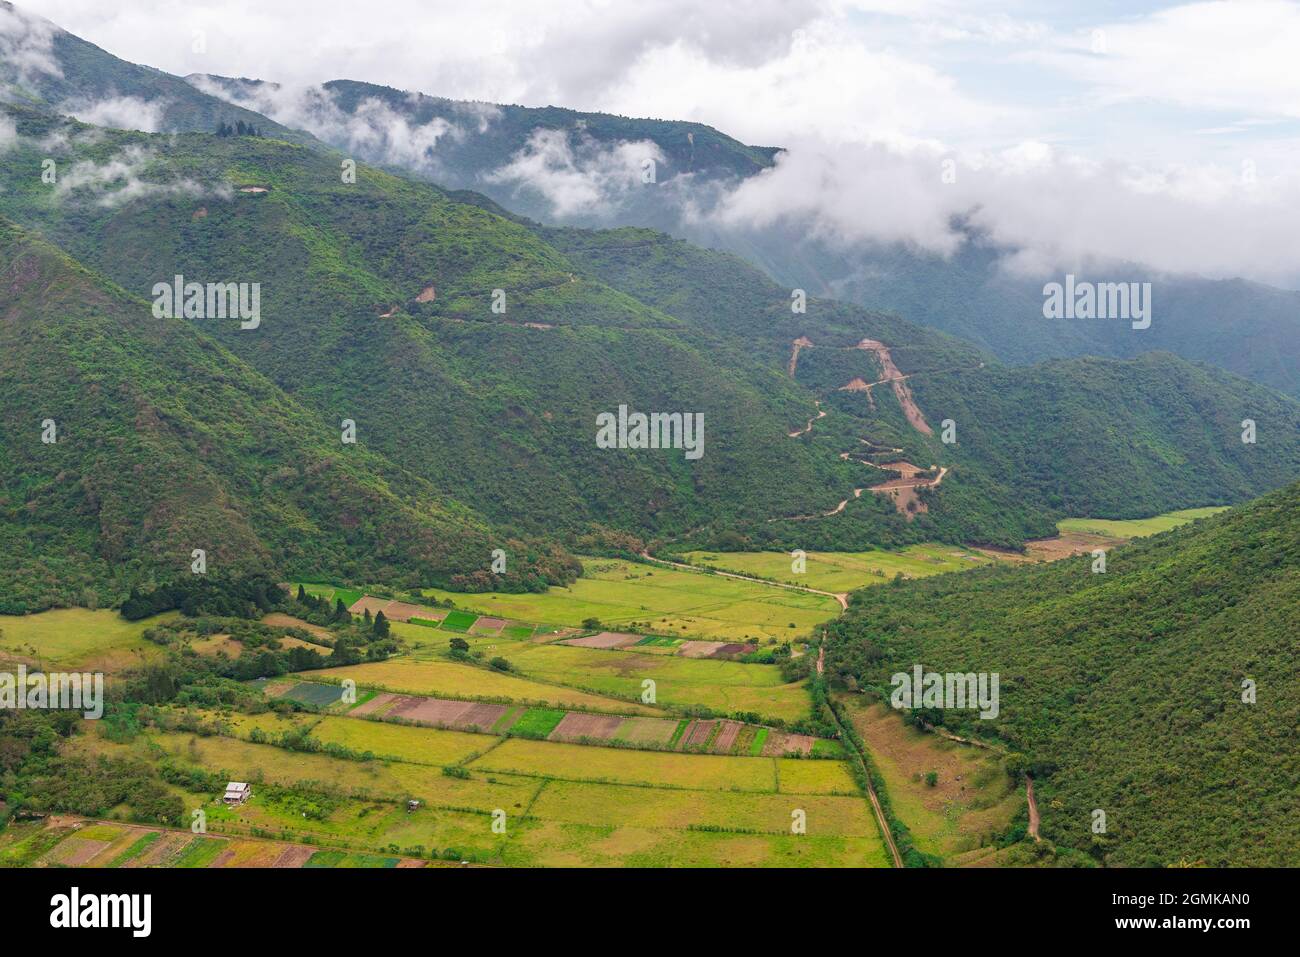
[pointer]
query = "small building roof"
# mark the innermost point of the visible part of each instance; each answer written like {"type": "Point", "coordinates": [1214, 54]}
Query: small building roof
{"type": "Point", "coordinates": [236, 786]}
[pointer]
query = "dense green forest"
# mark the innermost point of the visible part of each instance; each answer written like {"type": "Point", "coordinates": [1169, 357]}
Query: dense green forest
{"type": "Point", "coordinates": [1123, 691]}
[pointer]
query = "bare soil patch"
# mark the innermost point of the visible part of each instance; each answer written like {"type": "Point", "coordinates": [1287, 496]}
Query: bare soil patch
{"type": "Point", "coordinates": [294, 856]}
{"type": "Point", "coordinates": [726, 737]}
{"type": "Point", "coordinates": [604, 640]}
{"type": "Point", "coordinates": [648, 730]}
{"type": "Point", "coordinates": [576, 725]}
{"type": "Point", "coordinates": [699, 649]}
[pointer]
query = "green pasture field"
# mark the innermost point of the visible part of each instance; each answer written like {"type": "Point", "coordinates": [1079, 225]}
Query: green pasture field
{"type": "Point", "coordinates": [78, 639]}
{"type": "Point", "coordinates": [1137, 527]}
{"type": "Point", "coordinates": [631, 596]}
{"type": "Point", "coordinates": [727, 687]}
{"type": "Point", "coordinates": [845, 571]}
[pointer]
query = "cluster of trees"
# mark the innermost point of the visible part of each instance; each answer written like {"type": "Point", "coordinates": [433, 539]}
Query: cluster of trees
{"type": "Point", "coordinates": [250, 596]}
{"type": "Point", "coordinates": [239, 129]}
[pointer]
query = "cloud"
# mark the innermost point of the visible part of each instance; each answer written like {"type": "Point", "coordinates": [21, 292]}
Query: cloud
{"type": "Point", "coordinates": [590, 180]}
{"type": "Point", "coordinates": [119, 112]}
{"type": "Point", "coordinates": [8, 133]}
{"type": "Point", "coordinates": [121, 179]}
{"type": "Point", "coordinates": [26, 47]}
{"type": "Point", "coordinates": [1213, 55]}
{"type": "Point", "coordinates": [1048, 209]}
{"type": "Point", "coordinates": [374, 131]}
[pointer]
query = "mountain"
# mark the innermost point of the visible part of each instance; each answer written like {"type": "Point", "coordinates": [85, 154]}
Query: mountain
{"type": "Point", "coordinates": [1123, 691]}
{"type": "Point", "coordinates": [389, 284]}
{"type": "Point", "coordinates": [563, 167]}
{"type": "Point", "coordinates": [1245, 327]}
{"type": "Point", "coordinates": [161, 441]}
{"type": "Point", "coordinates": [464, 142]}
{"type": "Point", "coordinates": [45, 66]}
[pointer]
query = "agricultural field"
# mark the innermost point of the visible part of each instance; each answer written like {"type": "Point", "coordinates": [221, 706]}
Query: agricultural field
{"type": "Point", "coordinates": [972, 797]}
{"type": "Point", "coordinates": [77, 639]}
{"type": "Point", "coordinates": [65, 841]}
{"type": "Point", "coordinates": [562, 804]}
{"type": "Point", "coordinates": [625, 595]}
{"type": "Point", "coordinates": [726, 687]}
{"type": "Point", "coordinates": [844, 571]}
{"type": "Point", "coordinates": [1138, 527]}
{"type": "Point", "coordinates": [444, 677]}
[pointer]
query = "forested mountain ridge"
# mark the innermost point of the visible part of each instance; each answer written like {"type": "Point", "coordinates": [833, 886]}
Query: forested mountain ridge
{"type": "Point", "coordinates": [127, 441]}
{"type": "Point", "coordinates": [1161, 692]}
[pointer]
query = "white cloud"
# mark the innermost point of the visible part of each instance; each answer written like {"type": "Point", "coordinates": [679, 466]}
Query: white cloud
{"type": "Point", "coordinates": [374, 131]}
{"type": "Point", "coordinates": [1214, 55]}
{"type": "Point", "coordinates": [118, 112]}
{"type": "Point", "coordinates": [25, 47]}
{"type": "Point", "coordinates": [8, 133]}
{"type": "Point", "coordinates": [590, 180]}
{"type": "Point", "coordinates": [120, 179]}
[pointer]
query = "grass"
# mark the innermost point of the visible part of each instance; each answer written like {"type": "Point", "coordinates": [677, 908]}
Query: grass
{"type": "Point", "coordinates": [1138, 527]}
{"type": "Point", "coordinates": [200, 852]}
{"type": "Point", "coordinates": [583, 762]}
{"type": "Point", "coordinates": [455, 680]}
{"type": "Point", "coordinates": [621, 594]}
{"type": "Point", "coordinates": [78, 639]}
{"type": "Point", "coordinates": [537, 722]}
{"type": "Point", "coordinates": [401, 742]}
{"type": "Point", "coordinates": [727, 687]}
{"type": "Point", "coordinates": [845, 571]}
{"type": "Point", "coordinates": [458, 621]}
{"type": "Point", "coordinates": [141, 844]}
{"type": "Point", "coordinates": [973, 797]}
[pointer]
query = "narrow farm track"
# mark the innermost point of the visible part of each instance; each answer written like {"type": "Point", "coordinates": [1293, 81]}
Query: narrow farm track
{"type": "Point", "coordinates": [841, 597]}
{"type": "Point", "coordinates": [881, 823]}
{"type": "Point", "coordinates": [1033, 809]}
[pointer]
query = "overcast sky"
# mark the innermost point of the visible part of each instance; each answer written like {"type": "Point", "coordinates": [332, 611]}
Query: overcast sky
{"type": "Point", "coordinates": [1188, 113]}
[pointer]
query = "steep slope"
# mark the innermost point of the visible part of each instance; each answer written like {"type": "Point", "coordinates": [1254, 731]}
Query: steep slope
{"type": "Point", "coordinates": [466, 144]}
{"type": "Point", "coordinates": [127, 441]}
{"type": "Point", "coordinates": [1245, 327]}
{"type": "Point", "coordinates": [1076, 437]}
{"type": "Point", "coordinates": [44, 65]}
{"type": "Point", "coordinates": [388, 285]}
{"type": "Point", "coordinates": [1123, 691]}
{"type": "Point", "coordinates": [392, 287]}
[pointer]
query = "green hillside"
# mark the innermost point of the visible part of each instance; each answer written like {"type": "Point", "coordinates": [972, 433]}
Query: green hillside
{"type": "Point", "coordinates": [84, 75]}
{"type": "Point", "coordinates": [164, 442]}
{"type": "Point", "coordinates": [1123, 690]}
{"type": "Point", "coordinates": [497, 409]}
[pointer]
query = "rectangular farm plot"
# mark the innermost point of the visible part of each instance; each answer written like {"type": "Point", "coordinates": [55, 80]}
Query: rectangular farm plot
{"type": "Point", "coordinates": [726, 738]}
{"type": "Point", "coordinates": [537, 722]}
{"type": "Point", "coordinates": [453, 679]}
{"type": "Point", "coordinates": [725, 686]}
{"type": "Point", "coordinates": [376, 706]}
{"type": "Point", "coordinates": [699, 649]}
{"type": "Point", "coordinates": [622, 805]}
{"type": "Point", "coordinates": [651, 731]}
{"type": "Point", "coordinates": [321, 695]}
{"type": "Point", "coordinates": [385, 780]}
{"type": "Point", "coordinates": [402, 742]}
{"type": "Point", "coordinates": [605, 639]}
{"type": "Point", "coordinates": [440, 712]}
{"type": "Point", "coordinates": [488, 626]}
{"type": "Point", "coordinates": [815, 777]}
{"type": "Point", "coordinates": [458, 620]}
{"type": "Point", "coordinates": [577, 726]}
{"type": "Point", "coordinates": [626, 765]}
